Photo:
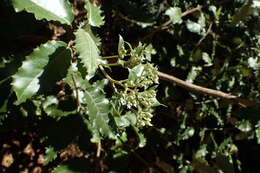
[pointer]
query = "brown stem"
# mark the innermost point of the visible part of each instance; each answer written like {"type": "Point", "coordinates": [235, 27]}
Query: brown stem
{"type": "Point", "coordinates": [167, 23]}
{"type": "Point", "coordinates": [185, 13]}
{"type": "Point", "coordinates": [130, 20]}
{"type": "Point", "coordinates": [209, 31]}
{"type": "Point", "coordinates": [77, 92]}
{"type": "Point", "coordinates": [211, 92]}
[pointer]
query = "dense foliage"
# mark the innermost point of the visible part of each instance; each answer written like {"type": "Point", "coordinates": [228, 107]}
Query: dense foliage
{"type": "Point", "coordinates": [80, 86]}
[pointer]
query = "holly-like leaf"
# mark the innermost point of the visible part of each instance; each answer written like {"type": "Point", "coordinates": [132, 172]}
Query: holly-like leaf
{"type": "Point", "coordinates": [56, 10]}
{"type": "Point", "coordinates": [88, 51]}
{"type": "Point", "coordinates": [98, 111]}
{"type": "Point", "coordinates": [26, 80]}
{"type": "Point", "coordinates": [94, 14]}
{"type": "Point", "coordinates": [121, 47]}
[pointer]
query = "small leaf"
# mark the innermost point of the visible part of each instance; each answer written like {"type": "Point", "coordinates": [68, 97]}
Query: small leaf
{"type": "Point", "coordinates": [56, 10]}
{"type": "Point", "coordinates": [257, 132]}
{"type": "Point", "coordinates": [50, 106]}
{"type": "Point", "coordinates": [243, 13]}
{"type": "Point", "coordinates": [175, 14]}
{"type": "Point", "coordinates": [88, 51]}
{"type": "Point", "coordinates": [195, 27]}
{"type": "Point", "coordinates": [195, 71]}
{"type": "Point", "coordinates": [121, 47]}
{"type": "Point", "coordinates": [206, 58]}
{"type": "Point", "coordinates": [244, 126]}
{"type": "Point", "coordinates": [50, 155]}
{"type": "Point", "coordinates": [26, 80]}
{"type": "Point", "coordinates": [202, 152]}
{"type": "Point", "coordinates": [94, 14]}
{"type": "Point", "coordinates": [63, 169]}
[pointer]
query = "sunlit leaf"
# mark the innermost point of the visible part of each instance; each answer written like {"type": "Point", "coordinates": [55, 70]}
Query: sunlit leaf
{"type": "Point", "coordinates": [194, 27]}
{"type": "Point", "coordinates": [57, 10]}
{"type": "Point", "coordinates": [202, 152]}
{"type": "Point", "coordinates": [26, 80]}
{"type": "Point", "coordinates": [88, 51]}
{"type": "Point", "coordinates": [174, 14]}
{"type": "Point", "coordinates": [195, 71]}
{"type": "Point", "coordinates": [94, 14]}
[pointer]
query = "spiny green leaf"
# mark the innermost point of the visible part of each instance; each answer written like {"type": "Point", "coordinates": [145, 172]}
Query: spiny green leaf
{"type": "Point", "coordinates": [26, 80]}
{"type": "Point", "coordinates": [94, 14]}
{"type": "Point", "coordinates": [88, 51]}
{"type": "Point", "coordinates": [96, 38]}
{"type": "Point", "coordinates": [57, 10]}
{"type": "Point", "coordinates": [121, 47]}
{"type": "Point", "coordinates": [98, 110]}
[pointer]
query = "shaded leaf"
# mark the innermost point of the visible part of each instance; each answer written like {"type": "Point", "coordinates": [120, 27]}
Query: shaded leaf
{"type": "Point", "coordinates": [98, 111]}
{"type": "Point", "coordinates": [58, 10]}
{"type": "Point", "coordinates": [63, 169]}
{"type": "Point", "coordinates": [257, 132]}
{"type": "Point", "coordinates": [50, 155]}
{"type": "Point", "coordinates": [243, 12]}
{"type": "Point", "coordinates": [26, 80]}
{"type": "Point", "coordinates": [224, 163]}
{"type": "Point", "coordinates": [50, 106]}
{"type": "Point", "coordinates": [56, 69]}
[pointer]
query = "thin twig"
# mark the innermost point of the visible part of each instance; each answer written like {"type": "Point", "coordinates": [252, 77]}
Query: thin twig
{"type": "Point", "coordinates": [209, 31]}
{"type": "Point", "coordinates": [110, 57]}
{"type": "Point", "coordinates": [99, 147]}
{"type": "Point", "coordinates": [113, 81]}
{"type": "Point", "coordinates": [131, 20]}
{"type": "Point", "coordinates": [77, 92]}
{"type": "Point", "coordinates": [211, 92]}
{"type": "Point", "coordinates": [167, 23]}
{"type": "Point", "coordinates": [185, 13]}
